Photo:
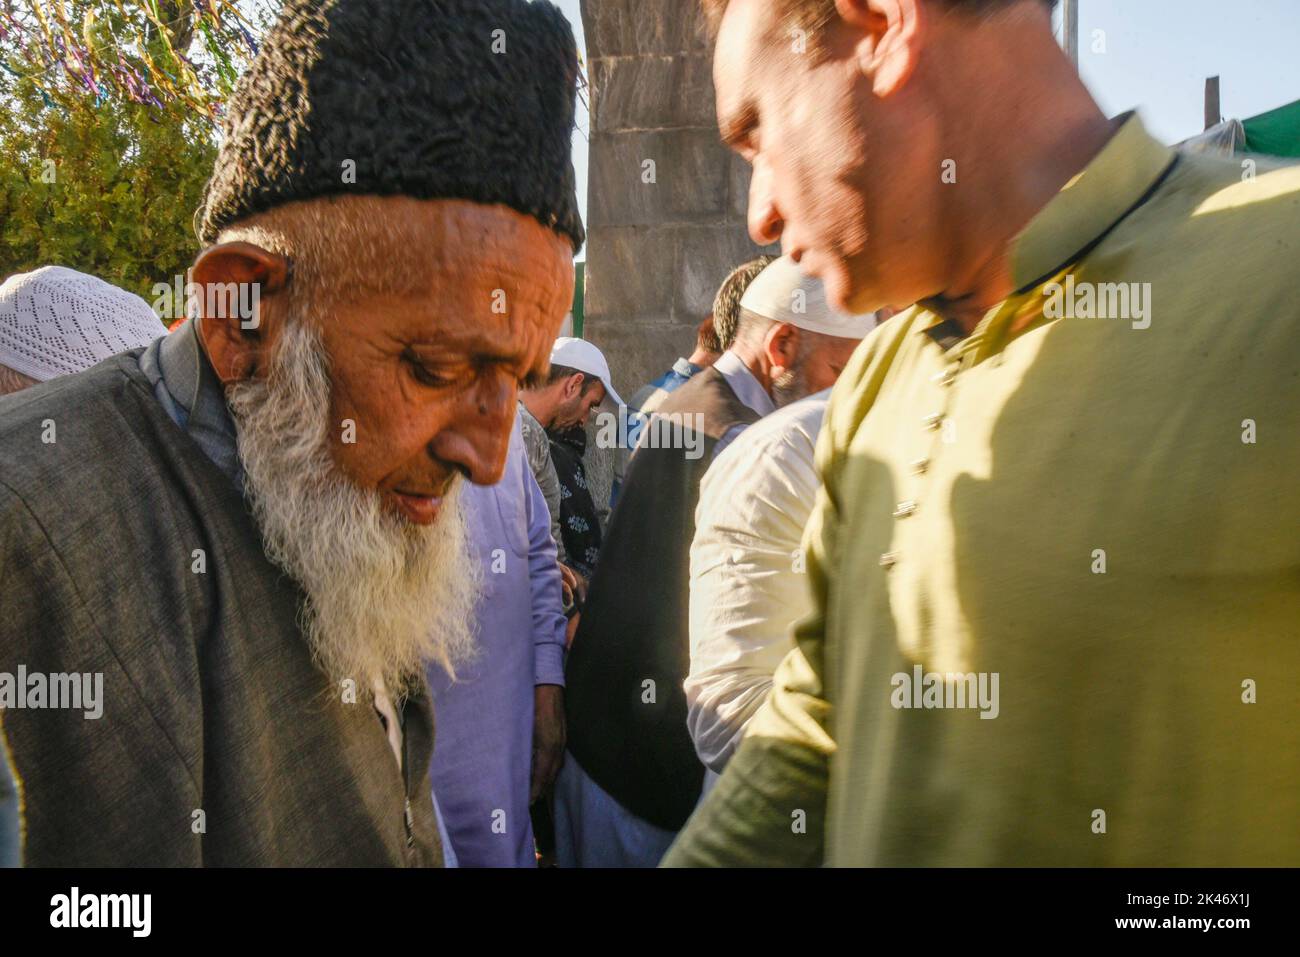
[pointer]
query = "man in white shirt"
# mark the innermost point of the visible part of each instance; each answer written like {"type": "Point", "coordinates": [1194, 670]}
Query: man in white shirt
{"type": "Point", "coordinates": [747, 571]}
{"type": "Point", "coordinates": [632, 776]}
{"type": "Point", "coordinates": [747, 581]}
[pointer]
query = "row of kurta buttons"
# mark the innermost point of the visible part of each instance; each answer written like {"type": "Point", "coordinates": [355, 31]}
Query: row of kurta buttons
{"type": "Point", "coordinates": [920, 466]}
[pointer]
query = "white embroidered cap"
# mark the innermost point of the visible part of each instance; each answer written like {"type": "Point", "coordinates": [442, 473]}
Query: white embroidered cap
{"type": "Point", "coordinates": [56, 321]}
{"type": "Point", "coordinates": [782, 293]}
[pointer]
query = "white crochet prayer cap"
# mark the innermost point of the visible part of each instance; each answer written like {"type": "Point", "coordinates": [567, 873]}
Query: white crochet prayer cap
{"type": "Point", "coordinates": [782, 293]}
{"type": "Point", "coordinates": [56, 321]}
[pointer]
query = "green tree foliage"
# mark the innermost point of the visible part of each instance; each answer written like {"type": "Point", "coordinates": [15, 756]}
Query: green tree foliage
{"type": "Point", "coordinates": [145, 51]}
{"type": "Point", "coordinates": [109, 189]}
{"type": "Point", "coordinates": [108, 123]}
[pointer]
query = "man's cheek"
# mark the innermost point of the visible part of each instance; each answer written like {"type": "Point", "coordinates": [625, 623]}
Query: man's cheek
{"type": "Point", "coordinates": [821, 379]}
{"type": "Point", "coordinates": [349, 455]}
{"type": "Point", "coordinates": [362, 449]}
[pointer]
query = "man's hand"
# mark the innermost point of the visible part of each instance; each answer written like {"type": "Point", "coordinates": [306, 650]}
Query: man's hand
{"type": "Point", "coordinates": [548, 738]}
{"type": "Point", "coordinates": [568, 586]}
{"type": "Point", "coordinates": [573, 584]}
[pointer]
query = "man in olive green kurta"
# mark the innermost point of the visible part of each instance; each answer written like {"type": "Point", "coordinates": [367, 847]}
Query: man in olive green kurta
{"type": "Point", "coordinates": [1101, 512]}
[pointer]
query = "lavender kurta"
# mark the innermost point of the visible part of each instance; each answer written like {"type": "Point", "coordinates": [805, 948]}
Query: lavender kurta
{"type": "Point", "coordinates": [482, 758]}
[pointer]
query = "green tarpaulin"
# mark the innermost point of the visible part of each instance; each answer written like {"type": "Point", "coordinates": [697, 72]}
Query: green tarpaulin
{"type": "Point", "coordinates": [1275, 133]}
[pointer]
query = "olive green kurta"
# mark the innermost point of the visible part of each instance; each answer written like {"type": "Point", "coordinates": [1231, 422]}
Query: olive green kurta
{"type": "Point", "coordinates": [1102, 511]}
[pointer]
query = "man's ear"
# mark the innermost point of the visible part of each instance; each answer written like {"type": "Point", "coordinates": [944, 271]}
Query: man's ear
{"type": "Point", "coordinates": [781, 346]}
{"type": "Point", "coordinates": [230, 278]}
{"type": "Point", "coordinates": [891, 32]}
{"type": "Point", "coordinates": [573, 386]}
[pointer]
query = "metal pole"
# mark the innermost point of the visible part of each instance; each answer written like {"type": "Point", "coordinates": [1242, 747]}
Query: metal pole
{"type": "Point", "coordinates": [1070, 30]}
{"type": "Point", "coordinates": [1212, 113]}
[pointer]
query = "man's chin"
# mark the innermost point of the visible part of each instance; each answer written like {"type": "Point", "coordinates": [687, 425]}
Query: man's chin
{"type": "Point", "coordinates": [845, 295]}
{"type": "Point", "coordinates": [846, 290]}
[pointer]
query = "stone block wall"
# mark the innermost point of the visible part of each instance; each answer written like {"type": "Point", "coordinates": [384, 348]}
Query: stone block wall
{"type": "Point", "coordinates": [656, 250]}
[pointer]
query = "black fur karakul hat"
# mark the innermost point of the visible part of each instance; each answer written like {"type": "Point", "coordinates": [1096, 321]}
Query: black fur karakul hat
{"type": "Point", "coordinates": [433, 99]}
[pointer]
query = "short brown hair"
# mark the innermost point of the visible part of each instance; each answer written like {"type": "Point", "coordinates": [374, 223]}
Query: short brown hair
{"type": "Point", "coordinates": [706, 337]}
{"type": "Point", "coordinates": [812, 15]}
{"type": "Point", "coordinates": [726, 305]}
{"type": "Point", "coordinates": [559, 372]}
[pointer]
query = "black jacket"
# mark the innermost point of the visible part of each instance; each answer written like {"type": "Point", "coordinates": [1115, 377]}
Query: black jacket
{"type": "Point", "coordinates": [625, 702]}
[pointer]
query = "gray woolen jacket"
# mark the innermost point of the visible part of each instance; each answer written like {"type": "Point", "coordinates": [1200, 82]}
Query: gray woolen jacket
{"type": "Point", "coordinates": [221, 742]}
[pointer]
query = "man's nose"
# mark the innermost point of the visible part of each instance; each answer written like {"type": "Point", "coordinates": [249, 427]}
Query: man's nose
{"type": "Point", "coordinates": [478, 438]}
{"type": "Point", "coordinates": [765, 222]}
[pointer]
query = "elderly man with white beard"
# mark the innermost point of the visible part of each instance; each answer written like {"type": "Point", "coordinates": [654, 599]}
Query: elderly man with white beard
{"type": "Point", "coordinates": [250, 528]}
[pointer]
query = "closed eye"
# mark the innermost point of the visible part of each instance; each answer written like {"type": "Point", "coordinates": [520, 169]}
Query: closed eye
{"type": "Point", "coordinates": [739, 130]}
{"type": "Point", "coordinates": [422, 373]}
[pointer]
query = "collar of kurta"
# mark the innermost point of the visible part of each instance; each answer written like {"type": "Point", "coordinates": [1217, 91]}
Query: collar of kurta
{"type": "Point", "coordinates": [188, 389]}
{"type": "Point", "coordinates": [685, 367]}
{"type": "Point", "coordinates": [1126, 173]}
{"type": "Point", "coordinates": [744, 384]}
{"type": "Point", "coordinates": [1119, 179]}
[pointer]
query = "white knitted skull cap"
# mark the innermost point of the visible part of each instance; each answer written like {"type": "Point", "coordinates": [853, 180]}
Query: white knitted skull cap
{"type": "Point", "coordinates": [782, 293]}
{"type": "Point", "coordinates": [56, 321]}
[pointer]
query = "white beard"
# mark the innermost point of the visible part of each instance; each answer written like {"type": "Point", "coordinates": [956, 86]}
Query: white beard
{"type": "Point", "coordinates": [384, 596]}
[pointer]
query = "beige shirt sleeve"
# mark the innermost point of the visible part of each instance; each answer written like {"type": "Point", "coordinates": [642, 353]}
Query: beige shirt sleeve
{"type": "Point", "coordinates": [748, 585]}
{"type": "Point", "coordinates": [769, 807]}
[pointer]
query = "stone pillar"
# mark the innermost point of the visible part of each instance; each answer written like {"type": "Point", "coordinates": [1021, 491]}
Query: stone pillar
{"type": "Point", "coordinates": [666, 201]}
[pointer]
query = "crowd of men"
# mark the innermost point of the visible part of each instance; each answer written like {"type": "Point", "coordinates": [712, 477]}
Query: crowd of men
{"type": "Point", "coordinates": [385, 572]}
